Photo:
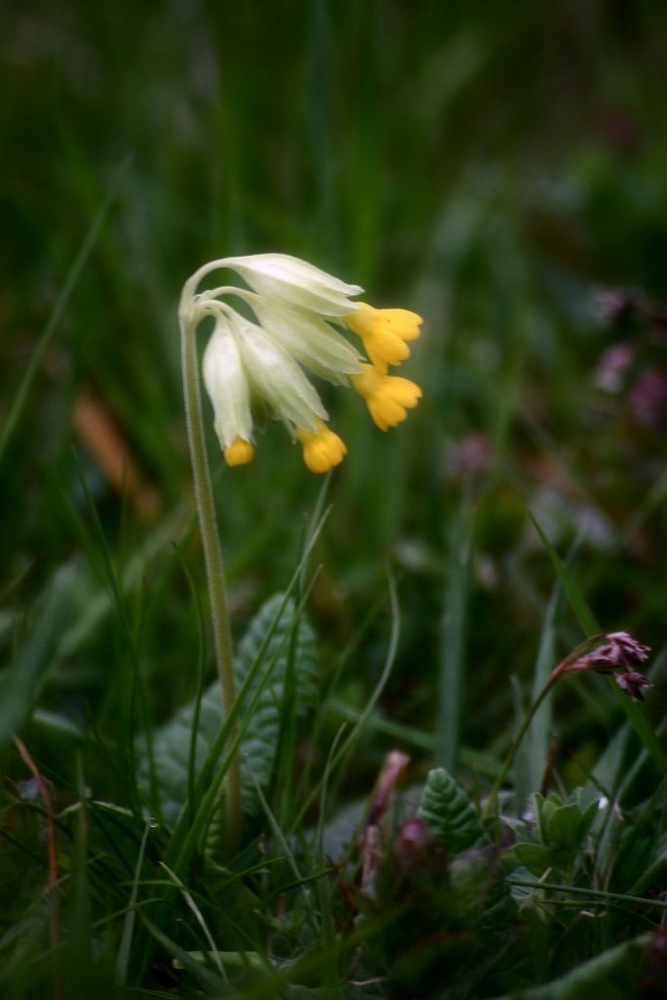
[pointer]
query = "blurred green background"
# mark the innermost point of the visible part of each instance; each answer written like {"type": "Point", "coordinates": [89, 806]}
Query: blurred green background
{"type": "Point", "coordinates": [495, 167]}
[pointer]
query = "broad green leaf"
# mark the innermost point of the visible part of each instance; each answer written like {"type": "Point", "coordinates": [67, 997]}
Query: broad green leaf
{"type": "Point", "coordinates": [563, 826]}
{"type": "Point", "coordinates": [535, 857]}
{"type": "Point", "coordinates": [285, 648]}
{"type": "Point", "coordinates": [275, 636]}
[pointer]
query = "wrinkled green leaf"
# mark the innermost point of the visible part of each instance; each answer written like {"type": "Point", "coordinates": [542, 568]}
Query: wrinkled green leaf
{"type": "Point", "coordinates": [276, 637]}
{"type": "Point", "coordinates": [449, 814]}
{"type": "Point", "coordinates": [261, 736]}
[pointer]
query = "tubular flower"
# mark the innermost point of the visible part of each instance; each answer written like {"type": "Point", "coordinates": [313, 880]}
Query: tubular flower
{"type": "Point", "coordinates": [384, 332]}
{"type": "Point", "coordinates": [277, 379]}
{"type": "Point", "coordinates": [287, 279]}
{"type": "Point", "coordinates": [387, 396]}
{"type": "Point", "coordinates": [229, 391]}
{"type": "Point", "coordinates": [290, 323]}
{"type": "Point", "coordinates": [322, 449]}
{"type": "Point", "coordinates": [309, 340]}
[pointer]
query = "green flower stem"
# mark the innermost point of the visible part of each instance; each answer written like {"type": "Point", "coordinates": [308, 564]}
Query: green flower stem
{"type": "Point", "coordinates": [492, 801]}
{"type": "Point", "coordinates": [215, 571]}
{"type": "Point", "coordinates": [566, 665]}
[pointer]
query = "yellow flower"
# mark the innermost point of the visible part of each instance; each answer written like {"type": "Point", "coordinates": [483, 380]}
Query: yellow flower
{"type": "Point", "coordinates": [384, 332]}
{"type": "Point", "coordinates": [387, 396]}
{"type": "Point", "coordinates": [240, 452]}
{"type": "Point", "coordinates": [289, 326]}
{"type": "Point", "coordinates": [322, 449]}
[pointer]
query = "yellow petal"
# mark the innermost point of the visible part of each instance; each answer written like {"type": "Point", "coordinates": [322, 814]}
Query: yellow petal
{"type": "Point", "coordinates": [403, 322]}
{"type": "Point", "coordinates": [322, 449]}
{"type": "Point", "coordinates": [387, 396]}
{"type": "Point", "coordinates": [239, 452]}
{"type": "Point", "coordinates": [384, 332]}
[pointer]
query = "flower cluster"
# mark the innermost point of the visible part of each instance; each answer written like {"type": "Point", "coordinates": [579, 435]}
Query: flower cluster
{"type": "Point", "coordinates": [615, 653]}
{"type": "Point", "coordinates": [296, 315]}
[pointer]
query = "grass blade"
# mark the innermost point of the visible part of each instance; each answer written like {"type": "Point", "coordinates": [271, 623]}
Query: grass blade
{"type": "Point", "coordinates": [70, 282]}
{"type": "Point", "coordinates": [591, 627]}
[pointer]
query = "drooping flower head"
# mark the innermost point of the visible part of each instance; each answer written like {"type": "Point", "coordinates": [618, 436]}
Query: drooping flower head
{"type": "Point", "coordinates": [290, 322]}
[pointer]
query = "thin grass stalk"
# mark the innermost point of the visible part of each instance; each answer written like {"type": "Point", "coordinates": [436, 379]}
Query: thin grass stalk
{"type": "Point", "coordinates": [531, 764]}
{"type": "Point", "coordinates": [123, 955]}
{"type": "Point", "coordinates": [452, 664]}
{"type": "Point", "coordinates": [590, 626]}
{"type": "Point", "coordinates": [492, 801]}
{"type": "Point", "coordinates": [52, 870]}
{"type": "Point", "coordinates": [185, 835]}
{"type": "Point", "coordinates": [365, 715]}
{"type": "Point", "coordinates": [88, 243]}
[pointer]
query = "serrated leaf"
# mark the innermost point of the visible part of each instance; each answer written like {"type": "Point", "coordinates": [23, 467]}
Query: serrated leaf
{"type": "Point", "coordinates": [281, 642]}
{"type": "Point", "coordinates": [449, 814]}
{"type": "Point", "coordinates": [475, 868]}
{"type": "Point", "coordinates": [278, 640]}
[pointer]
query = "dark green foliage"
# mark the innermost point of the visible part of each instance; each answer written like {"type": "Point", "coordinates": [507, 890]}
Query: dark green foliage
{"type": "Point", "coordinates": [561, 827]}
{"type": "Point", "coordinates": [498, 168]}
{"type": "Point", "coordinates": [615, 974]}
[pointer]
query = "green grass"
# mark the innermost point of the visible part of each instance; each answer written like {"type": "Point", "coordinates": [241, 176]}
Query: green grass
{"type": "Point", "coordinates": [494, 168]}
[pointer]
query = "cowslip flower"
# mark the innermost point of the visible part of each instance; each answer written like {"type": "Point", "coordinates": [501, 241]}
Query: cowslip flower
{"type": "Point", "coordinates": [290, 322]}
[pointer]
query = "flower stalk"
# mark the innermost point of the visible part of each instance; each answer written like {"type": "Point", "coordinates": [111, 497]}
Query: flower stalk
{"type": "Point", "coordinates": [291, 322]}
{"type": "Point", "coordinates": [615, 654]}
{"type": "Point", "coordinates": [215, 570]}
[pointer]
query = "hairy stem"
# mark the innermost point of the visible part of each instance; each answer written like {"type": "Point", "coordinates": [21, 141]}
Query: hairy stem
{"type": "Point", "coordinates": [215, 571]}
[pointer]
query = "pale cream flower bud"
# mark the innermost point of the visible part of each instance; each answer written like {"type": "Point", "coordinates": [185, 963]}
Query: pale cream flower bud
{"type": "Point", "coordinates": [227, 385]}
